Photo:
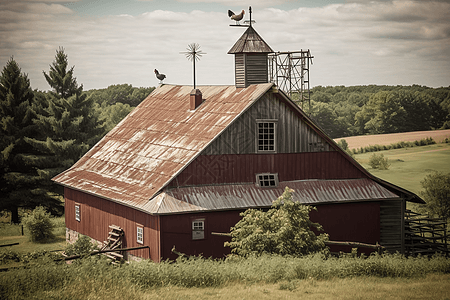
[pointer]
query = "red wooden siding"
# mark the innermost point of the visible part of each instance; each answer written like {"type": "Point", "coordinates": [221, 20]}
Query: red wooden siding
{"type": "Point", "coordinates": [97, 214]}
{"type": "Point", "coordinates": [350, 222]}
{"type": "Point", "coordinates": [356, 222]}
{"type": "Point", "coordinates": [176, 230]}
{"type": "Point", "coordinates": [217, 169]}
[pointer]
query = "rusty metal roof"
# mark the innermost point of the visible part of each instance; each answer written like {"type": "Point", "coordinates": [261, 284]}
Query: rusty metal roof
{"type": "Point", "coordinates": [156, 141]}
{"type": "Point", "coordinates": [243, 196]}
{"type": "Point", "coordinates": [250, 42]}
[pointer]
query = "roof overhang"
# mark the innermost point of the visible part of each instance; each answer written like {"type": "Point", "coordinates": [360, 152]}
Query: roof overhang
{"type": "Point", "coordinates": [244, 196]}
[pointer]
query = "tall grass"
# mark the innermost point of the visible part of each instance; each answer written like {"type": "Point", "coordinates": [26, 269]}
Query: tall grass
{"type": "Point", "coordinates": [45, 278]}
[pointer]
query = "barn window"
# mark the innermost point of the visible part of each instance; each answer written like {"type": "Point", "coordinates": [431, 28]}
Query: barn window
{"type": "Point", "coordinates": [267, 180]}
{"type": "Point", "coordinates": [140, 235]}
{"type": "Point", "coordinates": [77, 212]}
{"type": "Point", "coordinates": [198, 229]}
{"type": "Point", "coordinates": [266, 135]}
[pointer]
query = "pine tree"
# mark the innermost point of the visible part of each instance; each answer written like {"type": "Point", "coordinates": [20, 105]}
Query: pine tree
{"type": "Point", "coordinates": [22, 171]}
{"type": "Point", "coordinates": [70, 119]}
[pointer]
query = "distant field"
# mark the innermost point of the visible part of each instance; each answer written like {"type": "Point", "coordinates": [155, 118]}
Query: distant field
{"type": "Point", "coordinates": [392, 138]}
{"type": "Point", "coordinates": [410, 165]}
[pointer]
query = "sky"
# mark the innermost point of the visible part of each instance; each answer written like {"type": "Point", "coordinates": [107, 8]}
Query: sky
{"type": "Point", "coordinates": [109, 42]}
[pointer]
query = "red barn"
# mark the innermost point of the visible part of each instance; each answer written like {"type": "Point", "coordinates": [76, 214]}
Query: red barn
{"type": "Point", "coordinates": [185, 163]}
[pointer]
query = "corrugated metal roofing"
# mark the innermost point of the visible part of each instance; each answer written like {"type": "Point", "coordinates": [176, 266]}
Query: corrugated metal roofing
{"type": "Point", "coordinates": [243, 196]}
{"type": "Point", "coordinates": [250, 42]}
{"type": "Point", "coordinates": [156, 141]}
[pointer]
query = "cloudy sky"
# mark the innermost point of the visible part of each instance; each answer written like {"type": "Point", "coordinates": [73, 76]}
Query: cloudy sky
{"type": "Point", "coordinates": [109, 42]}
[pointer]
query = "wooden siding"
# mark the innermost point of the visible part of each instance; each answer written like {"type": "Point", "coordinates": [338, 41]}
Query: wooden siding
{"type": "Point", "coordinates": [256, 69]}
{"type": "Point", "coordinates": [350, 222]}
{"type": "Point", "coordinates": [292, 136]}
{"type": "Point", "coordinates": [239, 69]}
{"type": "Point", "coordinates": [219, 169]}
{"type": "Point", "coordinates": [97, 214]}
{"type": "Point", "coordinates": [176, 231]}
{"type": "Point", "coordinates": [250, 69]}
{"type": "Point", "coordinates": [357, 222]}
{"type": "Point", "coordinates": [392, 225]}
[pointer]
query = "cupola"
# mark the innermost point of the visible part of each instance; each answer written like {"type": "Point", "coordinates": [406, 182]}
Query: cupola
{"type": "Point", "coordinates": [250, 59]}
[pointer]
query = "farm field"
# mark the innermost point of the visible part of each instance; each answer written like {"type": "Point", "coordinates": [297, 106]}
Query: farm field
{"type": "Point", "coordinates": [386, 139]}
{"type": "Point", "coordinates": [410, 165]}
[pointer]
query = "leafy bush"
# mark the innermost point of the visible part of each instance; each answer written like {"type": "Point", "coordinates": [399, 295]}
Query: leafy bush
{"type": "Point", "coordinates": [39, 224]}
{"type": "Point", "coordinates": [284, 229]}
{"type": "Point", "coordinates": [82, 246]}
{"type": "Point", "coordinates": [377, 161]}
{"type": "Point", "coordinates": [436, 192]}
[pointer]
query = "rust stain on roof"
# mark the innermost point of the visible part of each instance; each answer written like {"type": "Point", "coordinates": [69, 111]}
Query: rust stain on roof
{"type": "Point", "coordinates": [160, 137]}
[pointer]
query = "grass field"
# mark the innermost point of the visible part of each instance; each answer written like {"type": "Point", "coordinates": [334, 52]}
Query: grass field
{"type": "Point", "coordinates": [434, 286]}
{"type": "Point", "coordinates": [13, 234]}
{"type": "Point", "coordinates": [410, 165]}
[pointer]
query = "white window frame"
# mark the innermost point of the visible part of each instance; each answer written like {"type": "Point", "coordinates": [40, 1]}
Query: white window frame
{"type": "Point", "coordinates": [271, 148]}
{"type": "Point", "coordinates": [140, 234]}
{"type": "Point", "coordinates": [198, 229]}
{"type": "Point", "coordinates": [267, 180]}
{"type": "Point", "coordinates": [78, 212]}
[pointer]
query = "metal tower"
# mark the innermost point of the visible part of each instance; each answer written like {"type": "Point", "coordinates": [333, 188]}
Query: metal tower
{"type": "Point", "coordinates": [290, 72]}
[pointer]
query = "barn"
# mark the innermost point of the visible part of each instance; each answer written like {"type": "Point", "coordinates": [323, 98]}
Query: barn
{"type": "Point", "coordinates": [185, 162]}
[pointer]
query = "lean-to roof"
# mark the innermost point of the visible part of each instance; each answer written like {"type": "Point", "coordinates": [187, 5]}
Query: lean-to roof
{"type": "Point", "coordinates": [243, 196]}
{"type": "Point", "coordinates": [156, 141]}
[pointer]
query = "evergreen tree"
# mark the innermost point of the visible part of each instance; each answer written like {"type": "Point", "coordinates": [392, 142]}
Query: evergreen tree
{"type": "Point", "coordinates": [22, 173]}
{"type": "Point", "coordinates": [69, 118]}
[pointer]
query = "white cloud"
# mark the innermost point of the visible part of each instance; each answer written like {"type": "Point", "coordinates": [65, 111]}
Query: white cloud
{"type": "Point", "coordinates": [377, 42]}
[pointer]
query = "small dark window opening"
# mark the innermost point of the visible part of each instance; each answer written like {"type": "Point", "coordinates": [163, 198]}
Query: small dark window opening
{"type": "Point", "coordinates": [267, 180]}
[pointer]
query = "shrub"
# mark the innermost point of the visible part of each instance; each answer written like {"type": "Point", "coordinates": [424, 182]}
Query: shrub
{"type": "Point", "coordinates": [83, 246]}
{"type": "Point", "coordinates": [39, 224]}
{"type": "Point", "coordinates": [284, 229]}
{"type": "Point", "coordinates": [377, 161]}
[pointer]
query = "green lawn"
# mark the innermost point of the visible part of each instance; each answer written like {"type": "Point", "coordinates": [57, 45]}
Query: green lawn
{"type": "Point", "coordinates": [410, 165]}
{"type": "Point", "coordinates": [13, 234]}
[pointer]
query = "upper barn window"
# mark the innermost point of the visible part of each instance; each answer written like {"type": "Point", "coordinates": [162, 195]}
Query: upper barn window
{"type": "Point", "coordinates": [266, 135]}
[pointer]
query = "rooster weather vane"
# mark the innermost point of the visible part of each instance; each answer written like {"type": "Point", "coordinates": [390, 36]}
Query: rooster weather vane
{"type": "Point", "coordinates": [239, 17]}
{"type": "Point", "coordinates": [193, 54]}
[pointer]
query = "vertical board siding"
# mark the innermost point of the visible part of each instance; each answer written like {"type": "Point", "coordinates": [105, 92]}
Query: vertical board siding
{"type": "Point", "coordinates": [239, 61]}
{"type": "Point", "coordinates": [97, 214]}
{"type": "Point", "coordinates": [350, 222]}
{"type": "Point", "coordinates": [292, 135]}
{"type": "Point", "coordinates": [392, 225]}
{"type": "Point", "coordinates": [219, 169]}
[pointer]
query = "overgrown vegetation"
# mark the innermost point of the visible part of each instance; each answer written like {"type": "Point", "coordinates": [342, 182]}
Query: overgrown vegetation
{"type": "Point", "coordinates": [39, 225]}
{"type": "Point", "coordinates": [436, 193]}
{"type": "Point", "coordinates": [378, 161]}
{"type": "Point", "coordinates": [43, 277]}
{"type": "Point", "coordinates": [284, 229]}
{"type": "Point", "coordinates": [399, 145]}
{"type": "Point", "coordinates": [83, 246]}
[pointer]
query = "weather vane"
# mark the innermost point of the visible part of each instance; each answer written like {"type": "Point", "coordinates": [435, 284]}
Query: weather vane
{"type": "Point", "coordinates": [194, 53]}
{"type": "Point", "coordinates": [239, 17]}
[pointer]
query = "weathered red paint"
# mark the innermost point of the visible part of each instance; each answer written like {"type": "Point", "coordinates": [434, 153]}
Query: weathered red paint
{"type": "Point", "coordinates": [218, 169]}
{"type": "Point", "coordinates": [97, 214]}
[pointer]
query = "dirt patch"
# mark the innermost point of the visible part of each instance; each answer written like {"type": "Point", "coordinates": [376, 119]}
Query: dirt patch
{"type": "Point", "coordinates": [386, 139]}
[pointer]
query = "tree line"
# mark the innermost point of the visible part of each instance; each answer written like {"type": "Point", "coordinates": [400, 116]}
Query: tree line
{"type": "Point", "coordinates": [43, 133]}
{"type": "Point", "coordinates": [359, 110]}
